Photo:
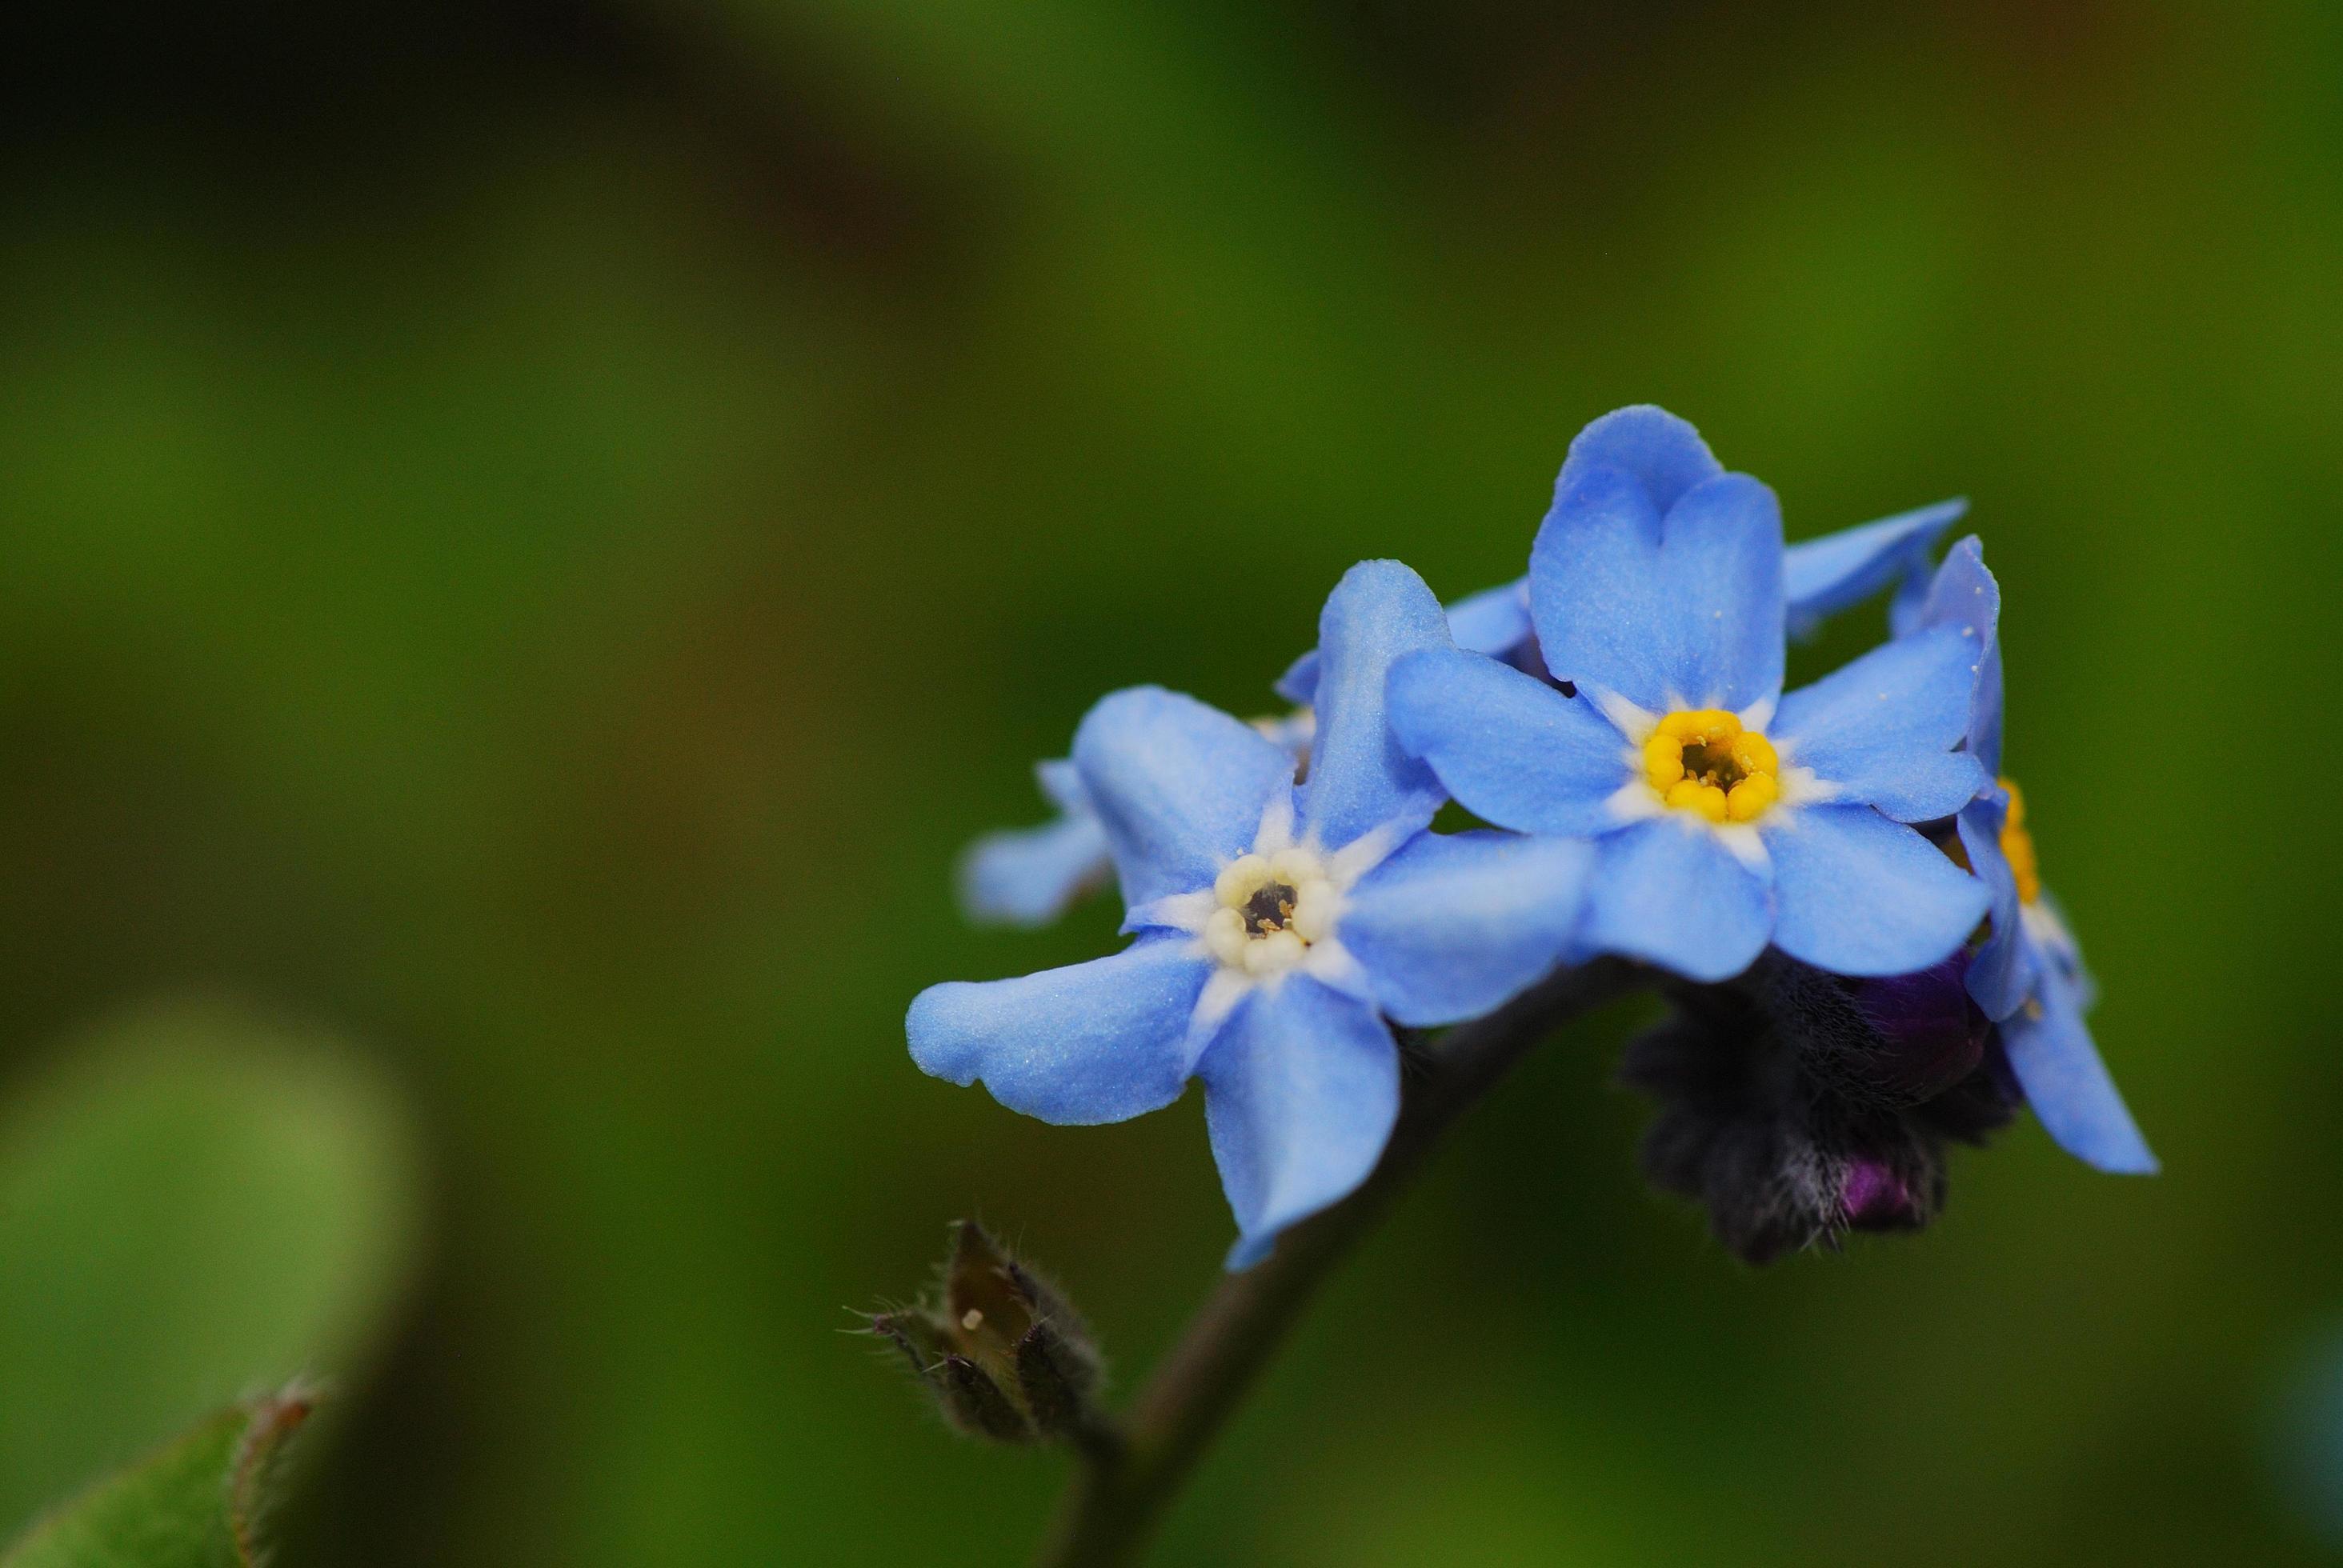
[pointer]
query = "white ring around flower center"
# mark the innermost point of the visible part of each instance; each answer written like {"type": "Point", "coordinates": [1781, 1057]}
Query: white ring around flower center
{"type": "Point", "coordinates": [1270, 908]}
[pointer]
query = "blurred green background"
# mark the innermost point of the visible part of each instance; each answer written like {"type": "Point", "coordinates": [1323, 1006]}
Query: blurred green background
{"type": "Point", "coordinates": [531, 531]}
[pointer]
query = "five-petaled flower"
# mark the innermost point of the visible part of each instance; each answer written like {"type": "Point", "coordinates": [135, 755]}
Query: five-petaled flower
{"type": "Point", "coordinates": [2028, 973]}
{"type": "Point", "coordinates": [1727, 816]}
{"type": "Point", "coordinates": [1280, 928]}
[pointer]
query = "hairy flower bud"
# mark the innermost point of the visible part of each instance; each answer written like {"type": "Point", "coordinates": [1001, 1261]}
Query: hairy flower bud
{"type": "Point", "coordinates": [1796, 1106]}
{"type": "Point", "coordinates": [1000, 1349]}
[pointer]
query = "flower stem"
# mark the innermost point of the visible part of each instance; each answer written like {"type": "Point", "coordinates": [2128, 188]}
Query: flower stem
{"type": "Point", "coordinates": [1121, 1492]}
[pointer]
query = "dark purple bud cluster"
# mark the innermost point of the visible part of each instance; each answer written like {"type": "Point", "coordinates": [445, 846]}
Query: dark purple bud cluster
{"type": "Point", "coordinates": [1797, 1105]}
{"type": "Point", "coordinates": [1000, 1349]}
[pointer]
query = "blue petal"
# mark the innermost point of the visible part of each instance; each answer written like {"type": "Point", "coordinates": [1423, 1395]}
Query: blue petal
{"type": "Point", "coordinates": [1684, 611]}
{"type": "Point", "coordinates": [1882, 729]}
{"type": "Point", "coordinates": [1062, 784]}
{"type": "Point", "coordinates": [1028, 876]}
{"type": "Point", "coordinates": [1910, 597]}
{"type": "Point", "coordinates": [2064, 952]}
{"type": "Point", "coordinates": [1721, 546]}
{"type": "Point", "coordinates": [1661, 453]}
{"type": "Point", "coordinates": [1360, 777]}
{"type": "Point", "coordinates": [1494, 621]}
{"type": "Point", "coordinates": [1100, 1042]}
{"type": "Point", "coordinates": [1860, 895]}
{"type": "Point", "coordinates": [1456, 924]}
{"type": "Point", "coordinates": [2069, 1086]}
{"type": "Point", "coordinates": [2001, 970]}
{"type": "Point", "coordinates": [1181, 786]}
{"type": "Point", "coordinates": [1513, 749]}
{"type": "Point", "coordinates": [1298, 684]}
{"type": "Point", "coordinates": [1823, 577]}
{"type": "Point", "coordinates": [1666, 891]}
{"type": "Point", "coordinates": [1964, 596]}
{"type": "Point", "coordinates": [1301, 1090]}
{"type": "Point", "coordinates": [1597, 594]}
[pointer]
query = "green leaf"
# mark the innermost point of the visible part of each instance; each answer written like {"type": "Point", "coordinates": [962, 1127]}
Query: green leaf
{"type": "Point", "coordinates": [194, 1203]}
{"type": "Point", "coordinates": [195, 1504]}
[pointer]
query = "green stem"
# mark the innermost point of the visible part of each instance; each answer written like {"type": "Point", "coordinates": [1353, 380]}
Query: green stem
{"type": "Point", "coordinates": [1119, 1495]}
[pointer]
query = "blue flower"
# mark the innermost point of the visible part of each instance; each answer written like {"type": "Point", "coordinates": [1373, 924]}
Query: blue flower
{"type": "Point", "coordinates": [2028, 975]}
{"type": "Point", "coordinates": [1726, 816]}
{"type": "Point", "coordinates": [1278, 925]}
{"type": "Point", "coordinates": [1820, 578]}
{"type": "Point", "coordinates": [1028, 876]}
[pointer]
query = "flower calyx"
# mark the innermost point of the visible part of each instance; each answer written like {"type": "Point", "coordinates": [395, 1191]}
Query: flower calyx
{"type": "Point", "coordinates": [1003, 1352]}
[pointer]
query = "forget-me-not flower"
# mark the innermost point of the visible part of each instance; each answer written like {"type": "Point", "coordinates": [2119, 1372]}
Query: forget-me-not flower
{"type": "Point", "coordinates": [2029, 974]}
{"type": "Point", "coordinates": [1820, 578]}
{"type": "Point", "coordinates": [1278, 925]}
{"type": "Point", "coordinates": [1726, 815]}
{"type": "Point", "coordinates": [1030, 876]}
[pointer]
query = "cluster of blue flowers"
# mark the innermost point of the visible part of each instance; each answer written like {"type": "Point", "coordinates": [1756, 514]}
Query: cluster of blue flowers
{"type": "Point", "coordinates": [1618, 717]}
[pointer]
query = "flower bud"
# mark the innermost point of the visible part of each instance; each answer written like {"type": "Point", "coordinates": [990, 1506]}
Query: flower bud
{"type": "Point", "coordinates": [1796, 1106]}
{"type": "Point", "coordinates": [1002, 1352]}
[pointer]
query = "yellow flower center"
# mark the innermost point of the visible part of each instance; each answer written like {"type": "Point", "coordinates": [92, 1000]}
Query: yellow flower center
{"type": "Point", "coordinates": [1704, 761]}
{"type": "Point", "coordinates": [2017, 848]}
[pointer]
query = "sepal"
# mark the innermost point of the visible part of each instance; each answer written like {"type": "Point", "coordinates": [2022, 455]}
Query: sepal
{"type": "Point", "coordinates": [1000, 1350]}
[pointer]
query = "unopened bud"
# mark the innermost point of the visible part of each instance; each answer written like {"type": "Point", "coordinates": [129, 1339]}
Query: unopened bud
{"type": "Point", "coordinates": [1796, 1106]}
{"type": "Point", "coordinates": [1004, 1354]}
